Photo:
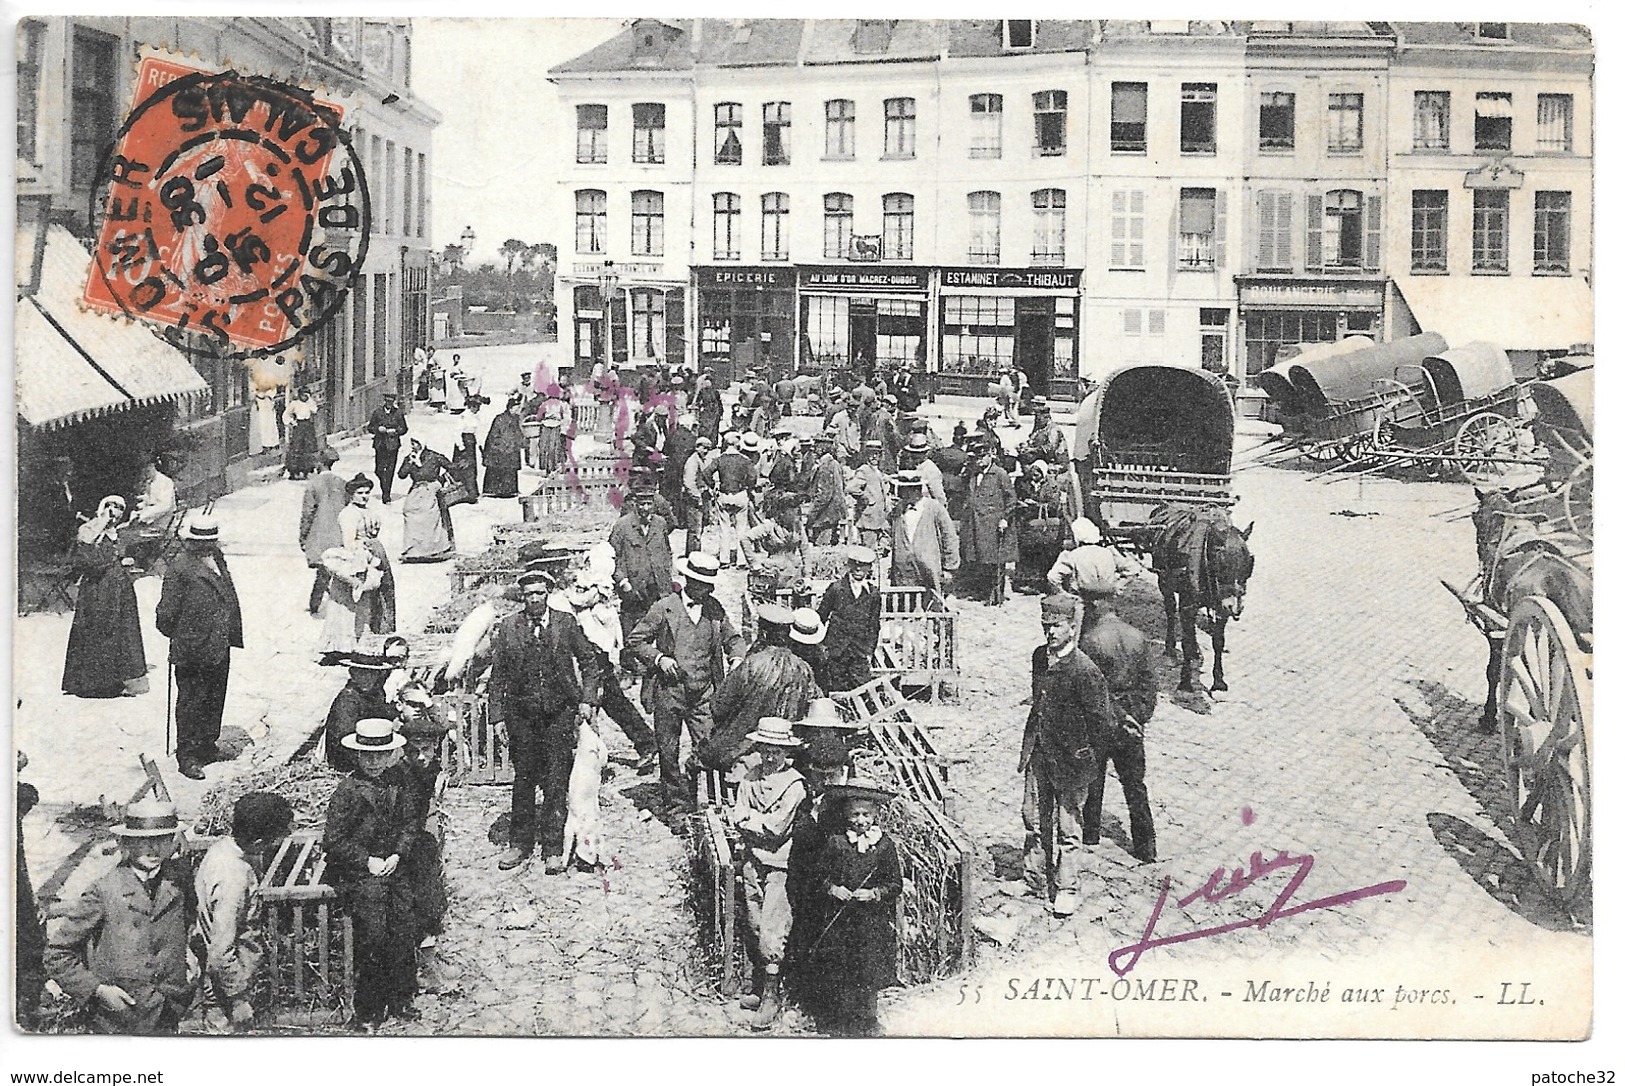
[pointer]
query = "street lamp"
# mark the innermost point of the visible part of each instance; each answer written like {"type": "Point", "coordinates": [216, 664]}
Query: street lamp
{"type": "Point", "coordinates": [607, 282]}
{"type": "Point", "coordinates": [468, 244]}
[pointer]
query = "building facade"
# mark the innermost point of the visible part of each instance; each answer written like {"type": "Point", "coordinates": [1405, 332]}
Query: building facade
{"type": "Point", "coordinates": [1060, 197]}
{"type": "Point", "coordinates": [76, 82]}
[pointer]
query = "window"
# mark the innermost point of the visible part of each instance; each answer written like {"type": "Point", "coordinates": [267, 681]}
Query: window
{"type": "Point", "coordinates": [1496, 31]}
{"type": "Point", "coordinates": [30, 46]}
{"type": "Point", "coordinates": [592, 220]}
{"type": "Point", "coordinates": [1049, 122]}
{"type": "Point", "coordinates": [978, 334]}
{"type": "Point", "coordinates": [1492, 122]}
{"type": "Point", "coordinates": [1554, 122]}
{"type": "Point", "coordinates": [1345, 123]}
{"type": "Point", "coordinates": [648, 223]}
{"type": "Point", "coordinates": [827, 326]}
{"type": "Point", "coordinates": [1128, 228]}
{"type": "Point", "coordinates": [381, 293]}
{"type": "Point", "coordinates": [1431, 131]}
{"type": "Point", "coordinates": [407, 206]}
{"type": "Point", "coordinates": [986, 125]}
{"type": "Point", "coordinates": [648, 132]}
{"type": "Point", "coordinates": [1552, 233]}
{"type": "Point", "coordinates": [423, 195]}
{"type": "Point", "coordinates": [840, 128]}
{"type": "Point", "coordinates": [1274, 230]}
{"type": "Point", "coordinates": [776, 134]}
{"type": "Point", "coordinates": [389, 187]}
{"type": "Point", "coordinates": [95, 75]}
{"type": "Point", "coordinates": [1429, 230]}
{"type": "Point", "coordinates": [730, 120]}
{"type": "Point", "coordinates": [984, 228]}
{"type": "Point", "coordinates": [775, 226]}
{"type": "Point", "coordinates": [837, 225]}
{"type": "Point", "coordinates": [1197, 104]}
{"type": "Point", "coordinates": [1128, 116]}
{"type": "Point", "coordinates": [873, 35]}
{"type": "Point", "coordinates": [725, 225]}
{"type": "Point", "coordinates": [648, 324]}
{"type": "Point", "coordinates": [1490, 231]}
{"type": "Point", "coordinates": [1018, 33]}
{"type": "Point", "coordinates": [899, 128]}
{"type": "Point", "coordinates": [592, 134]}
{"type": "Point", "coordinates": [1267, 332]}
{"type": "Point", "coordinates": [1049, 227]}
{"type": "Point", "coordinates": [1342, 230]}
{"type": "Point", "coordinates": [1215, 325]}
{"type": "Point", "coordinates": [1198, 229]}
{"type": "Point", "coordinates": [1277, 121]}
{"type": "Point", "coordinates": [897, 226]}
{"type": "Point", "coordinates": [1142, 334]}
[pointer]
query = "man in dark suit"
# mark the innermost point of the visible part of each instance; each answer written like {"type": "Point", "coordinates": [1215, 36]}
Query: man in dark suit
{"type": "Point", "coordinates": [685, 641]}
{"type": "Point", "coordinates": [641, 539]}
{"type": "Point", "coordinates": [386, 426]}
{"type": "Point", "coordinates": [679, 447]}
{"type": "Point", "coordinates": [850, 609]}
{"type": "Point", "coordinates": [199, 613]}
{"type": "Point", "coordinates": [545, 680]}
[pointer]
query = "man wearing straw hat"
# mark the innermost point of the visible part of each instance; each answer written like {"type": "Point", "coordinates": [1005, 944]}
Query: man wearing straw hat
{"type": "Point", "coordinates": [120, 949]}
{"type": "Point", "coordinates": [764, 812]}
{"type": "Point", "coordinates": [1071, 708]}
{"type": "Point", "coordinates": [199, 613]}
{"type": "Point", "coordinates": [362, 697]}
{"type": "Point", "coordinates": [545, 678]}
{"type": "Point", "coordinates": [684, 642]}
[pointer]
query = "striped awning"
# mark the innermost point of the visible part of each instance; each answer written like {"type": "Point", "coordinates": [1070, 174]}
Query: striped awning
{"type": "Point", "coordinates": [73, 364]}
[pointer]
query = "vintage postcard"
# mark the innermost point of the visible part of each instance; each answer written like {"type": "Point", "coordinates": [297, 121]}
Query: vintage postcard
{"type": "Point", "coordinates": [804, 527]}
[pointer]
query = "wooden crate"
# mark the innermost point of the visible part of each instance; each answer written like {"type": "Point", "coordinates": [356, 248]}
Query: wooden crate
{"type": "Point", "coordinates": [935, 937]}
{"type": "Point", "coordinates": [918, 641]}
{"type": "Point", "coordinates": [308, 975]}
{"type": "Point", "coordinates": [475, 750]}
{"type": "Point", "coordinates": [561, 494]}
{"type": "Point", "coordinates": [717, 899]}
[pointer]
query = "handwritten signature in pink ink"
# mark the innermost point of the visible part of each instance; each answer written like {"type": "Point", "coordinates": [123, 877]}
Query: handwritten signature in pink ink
{"type": "Point", "coordinates": [1227, 882]}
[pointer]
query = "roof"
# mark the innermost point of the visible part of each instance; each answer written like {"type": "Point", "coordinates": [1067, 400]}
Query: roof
{"type": "Point", "coordinates": [1538, 35]}
{"type": "Point", "coordinates": [1171, 29]}
{"type": "Point", "coordinates": [849, 41]}
{"type": "Point", "coordinates": [668, 53]}
{"type": "Point", "coordinates": [985, 37]}
{"type": "Point", "coordinates": [73, 363]}
{"type": "Point", "coordinates": [1515, 313]}
{"type": "Point", "coordinates": [746, 43]}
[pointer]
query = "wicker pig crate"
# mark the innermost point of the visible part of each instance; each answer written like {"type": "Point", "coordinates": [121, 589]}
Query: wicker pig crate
{"type": "Point", "coordinates": [475, 750]}
{"type": "Point", "coordinates": [934, 934]}
{"type": "Point", "coordinates": [308, 977]}
{"type": "Point", "coordinates": [717, 900]}
{"type": "Point", "coordinates": [918, 641]}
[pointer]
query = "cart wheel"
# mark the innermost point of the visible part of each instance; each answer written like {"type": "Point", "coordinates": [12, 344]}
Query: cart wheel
{"type": "Point", "coordinates": [1486, 435]}
{"type": "Point", "coordinates": [1356, 449]}
{"type": "Point", "coordinates": [1382, 431]}
{"type": "Point", "coordinates": [1577, 501]}
{"type": "Point", "coordinates": [1545, 696]}
{"type": "Point", "coordinates": [1324, 452]}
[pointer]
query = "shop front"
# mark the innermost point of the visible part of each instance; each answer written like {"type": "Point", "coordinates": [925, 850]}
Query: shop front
{"type": "Point", "coordinates": [746, 320]}
{"type": "Point", "coordinates": [1281, 310]}
{"type": "Point", "coordinates": [993, 319]}
{"type": "Point", "coordinates": [859, 319]}
{"type": "Point", "coordinates": [641, 322]}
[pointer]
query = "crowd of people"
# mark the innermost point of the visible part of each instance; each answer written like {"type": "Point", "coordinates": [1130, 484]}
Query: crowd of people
{"type": "Point", "coordinates": [795, 468]}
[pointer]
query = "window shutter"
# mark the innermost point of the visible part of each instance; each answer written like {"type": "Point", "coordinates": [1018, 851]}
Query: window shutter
{"type": "Point", "coordinates": [1266, 229]}
{"type": "Point", "coordinates": [1312, 225]}
{"type": "Point", "coordinates": [1373, 233]}
{"type": "Point", "coordinates": [1283, 230]}
{"type": "Point", "coordinates": [1119, 230]}
{"type": "Point", "coordinates": [1219, 226]}
{"type": "Point", "coordinates": [1136, 232]}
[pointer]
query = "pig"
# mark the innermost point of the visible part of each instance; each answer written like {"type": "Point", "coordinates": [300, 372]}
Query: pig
{"type": "Point", "coordinates": [581, 827]}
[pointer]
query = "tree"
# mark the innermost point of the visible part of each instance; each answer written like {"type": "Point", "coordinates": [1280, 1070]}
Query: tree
{"type": "Point", "coordinates": [451, 260]}
{"type": "Point", "coordinates": [513, 249]}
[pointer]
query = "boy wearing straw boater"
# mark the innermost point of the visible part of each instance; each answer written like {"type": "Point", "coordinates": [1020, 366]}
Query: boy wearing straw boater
{"type": "Point", "coordinates": [120, 949]}
{"type": "Point", "coordinates": [370, 833]}
{"type": "Point", "coordinates": [764, 812]}
{"type": "Point", "coordinates": [858, 874]}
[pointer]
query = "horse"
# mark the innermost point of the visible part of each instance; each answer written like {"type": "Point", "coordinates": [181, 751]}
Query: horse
{"type": "Point", "coordinates": [1202, 563]}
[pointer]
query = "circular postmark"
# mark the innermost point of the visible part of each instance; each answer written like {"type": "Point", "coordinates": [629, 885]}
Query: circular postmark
{"type": "Point", "coordinates": [232, 208]}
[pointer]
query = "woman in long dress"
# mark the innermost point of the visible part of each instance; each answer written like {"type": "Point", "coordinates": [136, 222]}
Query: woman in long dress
{"type": "Point", "coordinates": [465, 459]}
{"type": "Point", "coordinates": [428, 533]}
{"type": "Point", "coordinates": [105, 655]}
{"type": "Point", "coordinates": [355, 576]}
{"type": "Point", "coordinates": [299, 423]}
{"type": "Point", "coordinates": [504, 445]}
{"type": "Point", "coordinates": [360, 526]}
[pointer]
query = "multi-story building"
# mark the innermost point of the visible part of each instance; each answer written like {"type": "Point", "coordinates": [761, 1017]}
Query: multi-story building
{"type": "Point", "coordinates": [75, 83]}
{"type": "Point", "coordinates": [1061, 196]}
{"type": "Point", "coordinates": [1490, 166]}
{"type": "Point", "coordinates": [1164, 186]}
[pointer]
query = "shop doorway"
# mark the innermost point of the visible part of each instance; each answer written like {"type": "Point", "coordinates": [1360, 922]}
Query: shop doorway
{"type": "Point", "coordinates": [1035, 342]}
{"type": "Point", "coordinates": [863, 322]}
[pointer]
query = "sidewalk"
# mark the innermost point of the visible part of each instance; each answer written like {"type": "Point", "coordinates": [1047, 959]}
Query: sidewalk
{"type": "Point", "coordinates": [80, 750]}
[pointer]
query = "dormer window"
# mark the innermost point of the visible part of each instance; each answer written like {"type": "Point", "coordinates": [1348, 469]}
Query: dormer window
{"type": "Point", "coordinates": [741, 33]}
{"type": "Point", "coordinates": [1494, 31]}
{"type": "Point", "coordinates": [1018, 33]}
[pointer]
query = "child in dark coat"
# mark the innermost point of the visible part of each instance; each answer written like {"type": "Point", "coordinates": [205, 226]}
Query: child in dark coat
{"type": "Point", "coordinates": [859, 875]}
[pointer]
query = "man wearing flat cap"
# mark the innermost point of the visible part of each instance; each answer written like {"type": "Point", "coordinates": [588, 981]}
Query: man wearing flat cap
{"type": "Point", "coordinates": [1071, 708]}
{"type": "Point", "coordinates": [1046, 441]}
{"type": "Point", "coordinates": [986, 540]}
{"type": "Point", "coordinates": [871, 505]}
{"type": "Point", "coordinates": [545, 679]}
{"type": "Point", "coordinates": [120, 949]}
{"type": "Point", "coordinates": [826, 509]}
